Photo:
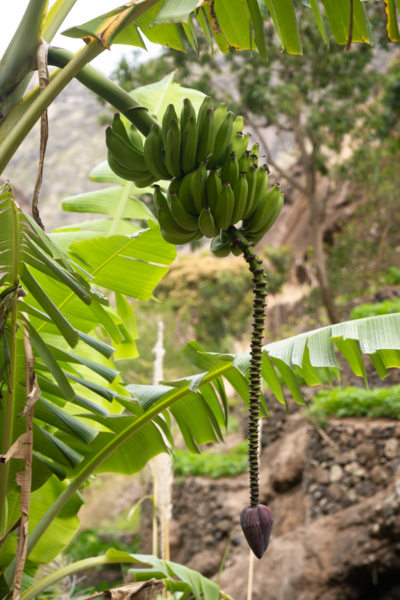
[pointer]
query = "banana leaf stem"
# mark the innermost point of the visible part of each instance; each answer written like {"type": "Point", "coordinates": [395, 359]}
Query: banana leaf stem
{"type": "Point", "coordinates": [21, 129]}
{"type": "Point", "coordinates": [10, 304]}
{"type": "Point", "coordinates": [108, 90]}
{"type": "Point", "coordinates": [9, 412]}
{"type": "Point", "coordinates": [258, 324]}
{"type": "Point", "coordinates": [19, 59]}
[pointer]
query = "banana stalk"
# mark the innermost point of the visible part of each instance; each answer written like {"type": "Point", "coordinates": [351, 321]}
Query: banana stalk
{"type": "Point", "coordinates": [256, 519]}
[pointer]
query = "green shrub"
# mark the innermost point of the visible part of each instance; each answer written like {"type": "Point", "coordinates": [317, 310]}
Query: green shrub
{"type": "Point", "coordinates": [392, 275]}
{"type": "Point", "coordinates": [356, 402]}
{"type": "Point", "coordinates": [379, 308]}
{"type": "Point", "coordinates": [229, 464]}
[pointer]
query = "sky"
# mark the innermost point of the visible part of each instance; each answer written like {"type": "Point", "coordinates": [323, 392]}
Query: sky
{"type": "Point", "coordinates": [84, 10]}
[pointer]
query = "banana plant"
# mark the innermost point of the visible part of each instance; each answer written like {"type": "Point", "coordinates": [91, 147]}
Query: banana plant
{"type": "Point", "coordinates": [49, 308]}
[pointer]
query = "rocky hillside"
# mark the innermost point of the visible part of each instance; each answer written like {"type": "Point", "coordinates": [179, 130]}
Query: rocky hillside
{"type": "Point", "coordinates": [76, 144]}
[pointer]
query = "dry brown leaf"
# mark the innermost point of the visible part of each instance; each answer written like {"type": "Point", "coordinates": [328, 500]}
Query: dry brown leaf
{"type": "Point", "coordinates": [22, 448]}
{"type": "Point", "coordinates": [141, 590]}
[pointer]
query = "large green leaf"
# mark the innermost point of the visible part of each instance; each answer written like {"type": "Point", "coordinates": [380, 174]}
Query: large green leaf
{"type": "Point", "coordinates": [312, 354]}
{"type": "Point", "coordinates": [338, 13]}
{"type": "Point", "coordinates": [108, 202]}
{"type": "Point", "coordinates": [230, 22]}
{"type": "Point", "coordinates": [127, 264]}
{"type": "Point", "coordinates": [284, 18]}
{"type": "Point", "coordinates": [57, 536]}
{"type": "Point", "coordinates": [176, 12]}
{"type": "Point", "coordinates": [235, 21]}
{"type": "Point", "coordinates": [157, 96]}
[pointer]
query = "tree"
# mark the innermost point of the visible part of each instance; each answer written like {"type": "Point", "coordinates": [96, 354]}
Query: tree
{"type": "Point", "coordinates": [54, 365]}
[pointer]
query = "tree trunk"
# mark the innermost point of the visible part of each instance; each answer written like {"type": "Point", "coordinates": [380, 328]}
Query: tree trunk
{"type": "Point", "coordinates": [317, 213]}
{"type": "Point", "coordinates": [317, 232]}
{"type": "Point", "coordinates": [321, 274]}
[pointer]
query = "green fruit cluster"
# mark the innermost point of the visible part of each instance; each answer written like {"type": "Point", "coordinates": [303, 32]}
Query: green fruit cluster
{"type": "Point", "coordinates": [216, 182]}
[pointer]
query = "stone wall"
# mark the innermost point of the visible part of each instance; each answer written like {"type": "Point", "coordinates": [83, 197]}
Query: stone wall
{"type": "Point", "coordinates": [348, 461]}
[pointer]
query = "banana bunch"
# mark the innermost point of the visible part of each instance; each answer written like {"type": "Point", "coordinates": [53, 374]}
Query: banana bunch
{"type": "Point", "coordinates": [215, 180]}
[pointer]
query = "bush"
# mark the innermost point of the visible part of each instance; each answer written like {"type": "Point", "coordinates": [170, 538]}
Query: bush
{"type": "Point", "coordinates": [379, 308]}
{"type": "Point", "coordinates": [392, 275]}
{"type": "Point", "coordinates": [94, 542]}
{"type": "Point", "coordinates": [229, 464]}
{"type": "Point", "coordinates": [356, 402]}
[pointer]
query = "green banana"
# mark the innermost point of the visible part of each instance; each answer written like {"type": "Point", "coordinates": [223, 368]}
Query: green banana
{"type": "Point", "coordinates": [182, 217]}
{"type": "Point", "coordinates": [153, 153]}
{"type": "Point", "coordinates": [240, 191]}
{"type": "Point", "coordinates": [245, 162]}
{"type": "Point", "coordinates": [256, 237]}
{"type": "Point", "coordinates": [135, 138]}
{"type": "Point", "coordinates": [189, 135]}
{"type": "Point", "coordinates": [220, 113]}
{"type": "Point", "coordinates": [170, 230]}
{"type": "Point", "coordinates": [238, 124]}
{"type": "Point", "coordinates": [265, 208]}
{"type": "Point", "coordinates": [186, 193]}
{"type": "Point", "coordinates": [239, 142]}
{"type": "Point", "coordinates": [205, 105]}
{"type": "Point", "coordinates": [220, 247]}
{"type": "Point", "coordinates": [262, 182]}
{"type": "Point", "coordinates": [124, 153]}
{"type": "Point", "coordinates": [169, 114]}
{"type": "Point", "coordinates": [206, 136]}
{"type": "Point", "coordinates": [206, 223]}
{"type": "Point", "coordinates": [140, 178]}
{"type": "Point", "coordinates": [158, 197]}
{"type": "Point", "coordinates": [255, 149]}
{"type": "Point", "coordinates": [222, 139]}
{"type": "Point", "coordinates": [252, 200]}
{"type": "Point", "coordinates": [173, 149]}
{"type": "Point", "coordinates": [187, 112]}
{"type": "Point", "coordinates": [224, 207]}
{"type": "Point", "coordinates": [199, 188]}
{"type": "Point", "coordinates": [119, 128]}
{"type": "Point", "coordinates": [174, 186]}
{"type": "Point", "coordinates": [213, 188]}
{"type": "Point", "coordinates": [145, 181]}
{"type": "Point", "coordinates": [230, 169]}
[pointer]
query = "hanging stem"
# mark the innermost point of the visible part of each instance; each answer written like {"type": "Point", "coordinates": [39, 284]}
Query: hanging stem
{"type": "Point", "coordinates": [259, 302]}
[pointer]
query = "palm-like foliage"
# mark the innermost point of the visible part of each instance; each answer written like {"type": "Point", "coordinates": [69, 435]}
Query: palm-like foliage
{"type": "Point", "coordinates": [50, 298]}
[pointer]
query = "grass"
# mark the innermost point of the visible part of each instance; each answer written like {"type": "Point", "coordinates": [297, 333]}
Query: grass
{"type": "Point", "coordinates": [229, 464]}
{"type": "Point", "coordinates": [356, 402]}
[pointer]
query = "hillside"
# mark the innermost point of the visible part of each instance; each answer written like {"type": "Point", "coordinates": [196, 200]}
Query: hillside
{"type": "Point", "coordinates": [76, 144]}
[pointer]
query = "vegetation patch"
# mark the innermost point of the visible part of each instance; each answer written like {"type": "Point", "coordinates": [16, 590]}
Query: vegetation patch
{"type": "Point", "coordinates": [379, 308]}
{"type": "Point", "coordinates": [356, 402]}
{"type": "Point", "coordinates": [211, 465]}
